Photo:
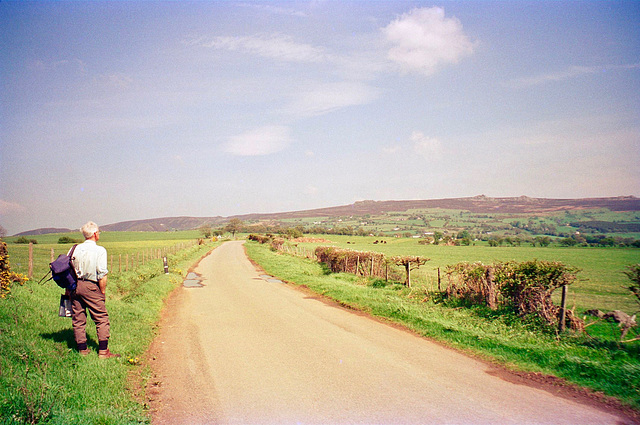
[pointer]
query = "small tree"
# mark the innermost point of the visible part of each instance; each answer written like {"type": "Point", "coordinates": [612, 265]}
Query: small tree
{"type": "Point", "coordinates": [409, 263]}
{"type": "Point", "coordinates": [234, 226]}
{"type": "Point", "coordinates": [3, 232]}
{"type": "Point", "coordinates": [206, 230]}
{"type": "Point", "coordinates": [633, 273]}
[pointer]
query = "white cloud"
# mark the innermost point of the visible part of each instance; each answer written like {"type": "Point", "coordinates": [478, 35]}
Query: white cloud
{"type": "Point", "coordinates": [261, 141]}
{"type": "Point", "coordinates": [391, 149]}
{"type": "Point", "coordinates": [423, 39]}
{"type": "Point", "coordinates": [275, 9]}
{"type": "Point", "coordinates": [326, 98]}
{"type": "Point", "coordinates": [571, 72]}
{"type": "Point", "coordinates": [7, 207]}
{"type": "Point", "coordinates": [275, 46]}
{"type": "Point", "coordinates": [427, 147]}
{"type": "Point", "coordinates": [310, 190]}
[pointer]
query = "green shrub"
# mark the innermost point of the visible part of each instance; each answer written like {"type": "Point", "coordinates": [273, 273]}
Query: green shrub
{"type": "Point", "coordinates": [633, 273]}
{"type": "Point", "coordinates": [24, 240]}
{"type": "Point", "coordinates": [524, 287]}
{"type": "Point", "coordinates": [67, 239]}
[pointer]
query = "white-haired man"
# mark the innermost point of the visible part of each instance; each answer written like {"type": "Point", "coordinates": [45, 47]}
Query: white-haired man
{"type": "Point", "coordinates": [90, 262]}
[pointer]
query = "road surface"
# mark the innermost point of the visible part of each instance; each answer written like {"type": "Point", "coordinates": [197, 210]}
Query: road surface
{"type": "Point", "coordinates": [245, 349]}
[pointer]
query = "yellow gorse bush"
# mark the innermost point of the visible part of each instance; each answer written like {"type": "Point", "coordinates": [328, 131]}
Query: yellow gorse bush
{"type": "Point", "coordinates": [7, 277]}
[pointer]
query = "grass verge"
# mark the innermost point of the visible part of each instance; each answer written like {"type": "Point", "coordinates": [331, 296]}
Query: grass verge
{"type": "Point", "coordinates": [602, 366]}
{"type": "Point", "coordinates": [43, 379]}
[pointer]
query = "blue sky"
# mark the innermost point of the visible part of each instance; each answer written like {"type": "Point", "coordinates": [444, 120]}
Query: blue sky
{"type": "Point", "coordinates": [114, 111]}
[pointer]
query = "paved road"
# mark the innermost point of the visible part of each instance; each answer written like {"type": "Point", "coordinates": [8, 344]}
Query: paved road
{"type": "Point", "coordinates": [246, 350]}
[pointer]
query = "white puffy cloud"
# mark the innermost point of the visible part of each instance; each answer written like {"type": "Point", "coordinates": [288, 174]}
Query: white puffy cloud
{"type": "Point", "coordinates": [427, 147]}
{"type": "Point", "coordinates": [261, 141]}
{"type": "Point", "coordinates": [424, 39]}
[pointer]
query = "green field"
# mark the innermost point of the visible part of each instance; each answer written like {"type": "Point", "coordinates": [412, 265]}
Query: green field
{"type": "Point", "coordinates": [43, 379]}
{"type": "Point", "coordinates": [118, 245]}
{"type": "Point", "coordinates": [623, 224]}
{"type": "Point", "coordinates": [601, 284]}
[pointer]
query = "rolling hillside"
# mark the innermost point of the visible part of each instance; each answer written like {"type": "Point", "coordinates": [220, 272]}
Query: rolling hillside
{"type": "Point", "coordinates": [475, 204]}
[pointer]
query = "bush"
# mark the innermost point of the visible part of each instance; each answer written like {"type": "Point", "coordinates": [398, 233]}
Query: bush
{"type": "Point", "coordinates": [67, 239]}
{"type": "Point", "coordinates": [7, 277]}
{"type": "Point", "coordinates": [24, 240]}
{"type": "Point", "coordinates": [633, 273]}
{"type": "Point", "coordinates": [525, 287]}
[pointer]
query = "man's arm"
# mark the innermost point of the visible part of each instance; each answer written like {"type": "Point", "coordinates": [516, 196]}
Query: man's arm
{"type": "Point", "coordinates": [102, 283]}
{"type": "Point", "coordinates": [102, 269]}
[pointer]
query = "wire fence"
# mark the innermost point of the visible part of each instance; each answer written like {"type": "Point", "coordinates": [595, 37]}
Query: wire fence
{"type": "Point", "coordinates": [33, 260]}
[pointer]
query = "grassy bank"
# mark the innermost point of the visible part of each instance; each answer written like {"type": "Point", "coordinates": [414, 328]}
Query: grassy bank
{"type": "Point", "coordinates": [42, 377]}
{"type": "Point", "coordinates": [599, 365]}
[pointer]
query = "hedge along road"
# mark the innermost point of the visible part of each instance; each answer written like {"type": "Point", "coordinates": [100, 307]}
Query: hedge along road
{"type": "Point", "coordinates": [245, 349]}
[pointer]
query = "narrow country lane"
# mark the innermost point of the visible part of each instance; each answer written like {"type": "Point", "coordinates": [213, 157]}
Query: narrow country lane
{"type": "Point", "coordinates": [243, 349]}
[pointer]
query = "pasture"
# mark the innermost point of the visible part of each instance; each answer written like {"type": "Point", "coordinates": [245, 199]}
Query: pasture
{"type": "Point", "coordinates": [602, 283]}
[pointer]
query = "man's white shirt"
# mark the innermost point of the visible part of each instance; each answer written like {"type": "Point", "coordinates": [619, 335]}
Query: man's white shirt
{"type": "Point", "coordinates": [90, 261]}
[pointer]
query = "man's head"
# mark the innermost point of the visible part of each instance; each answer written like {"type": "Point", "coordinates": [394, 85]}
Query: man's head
{"type": "Point", "coordinates": [90, 229]}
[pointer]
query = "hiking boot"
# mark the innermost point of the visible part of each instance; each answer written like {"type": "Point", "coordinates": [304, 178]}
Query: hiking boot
{"type": "Point", "coordinates": [84, 352]}
{"type": "Point", "coordinates": [106, 354]}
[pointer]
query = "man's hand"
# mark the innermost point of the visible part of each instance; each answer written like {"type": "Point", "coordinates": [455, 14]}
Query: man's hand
{"type": "Point", "coordinates": [102, 283]}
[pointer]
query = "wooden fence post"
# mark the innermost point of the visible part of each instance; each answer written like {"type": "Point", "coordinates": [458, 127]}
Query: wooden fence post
{"type": "Point", "coordinates": [563, 308]}
{"type": "Point", "coordinates": [439, 288]}
{"type": "Point", "coordinates": [30, 272]}
{"type": "Point", "coordinates": [408, 266]}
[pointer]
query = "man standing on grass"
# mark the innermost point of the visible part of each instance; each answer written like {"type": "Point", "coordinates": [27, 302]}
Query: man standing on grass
{"type": "Point", "coordinates": [90, 263]}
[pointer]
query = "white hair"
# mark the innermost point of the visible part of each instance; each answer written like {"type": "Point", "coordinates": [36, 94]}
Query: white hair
{"type": "Point", "coordinates": [89, 229]}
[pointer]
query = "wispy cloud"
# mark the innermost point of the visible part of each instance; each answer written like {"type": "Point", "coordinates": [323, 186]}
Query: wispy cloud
{"type": "Point", "coordinates": [276, 10]}
{"type": "Point", "coordinates": [571, 72]}
{"type": "Point", "coordinates": [261, 141]}
{"type": "Point", "coordinates": [67, 65]}
{"type": "Point", "coordinates": [7, 207]}
{"type": "Point", "coordinates": [425, 146]}
{"type": "Point", "coordinates": [424, 39]}
{"type": "Point", "coordinates": [326, 98]}
{"type": "Point", "coordinates": [274, 46]}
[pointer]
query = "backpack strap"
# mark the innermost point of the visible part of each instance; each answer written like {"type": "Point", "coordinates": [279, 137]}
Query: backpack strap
{"type": "Point", "coordinates": [73, 248]}
{"type": "Point", "coordinates": [46, 274]}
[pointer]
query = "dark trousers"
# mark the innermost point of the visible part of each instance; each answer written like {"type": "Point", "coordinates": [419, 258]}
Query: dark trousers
{"type": "Point", "coordinates": [88, 297]}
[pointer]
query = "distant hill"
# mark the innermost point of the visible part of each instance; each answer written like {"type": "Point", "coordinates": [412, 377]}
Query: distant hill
{"type": "Point", "coordinates": [163, 224]}
{"type": "Point", "coordinates": [44, 231]}
{"type": "Point", "coordinates": [475, 204]}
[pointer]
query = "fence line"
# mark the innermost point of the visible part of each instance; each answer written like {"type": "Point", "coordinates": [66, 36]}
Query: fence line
{"type": "Point", "coordinates": [132, 260]}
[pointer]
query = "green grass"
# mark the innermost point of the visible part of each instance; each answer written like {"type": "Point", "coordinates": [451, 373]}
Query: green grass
{"type": "Point", "coordinates": [43, 379]}
{"type": "Point", "coordinates": [116, 243]}
{"type": "Point", "coordinates": [602, 283]}
{"type": "Point", "coordinates": [601, 365]}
